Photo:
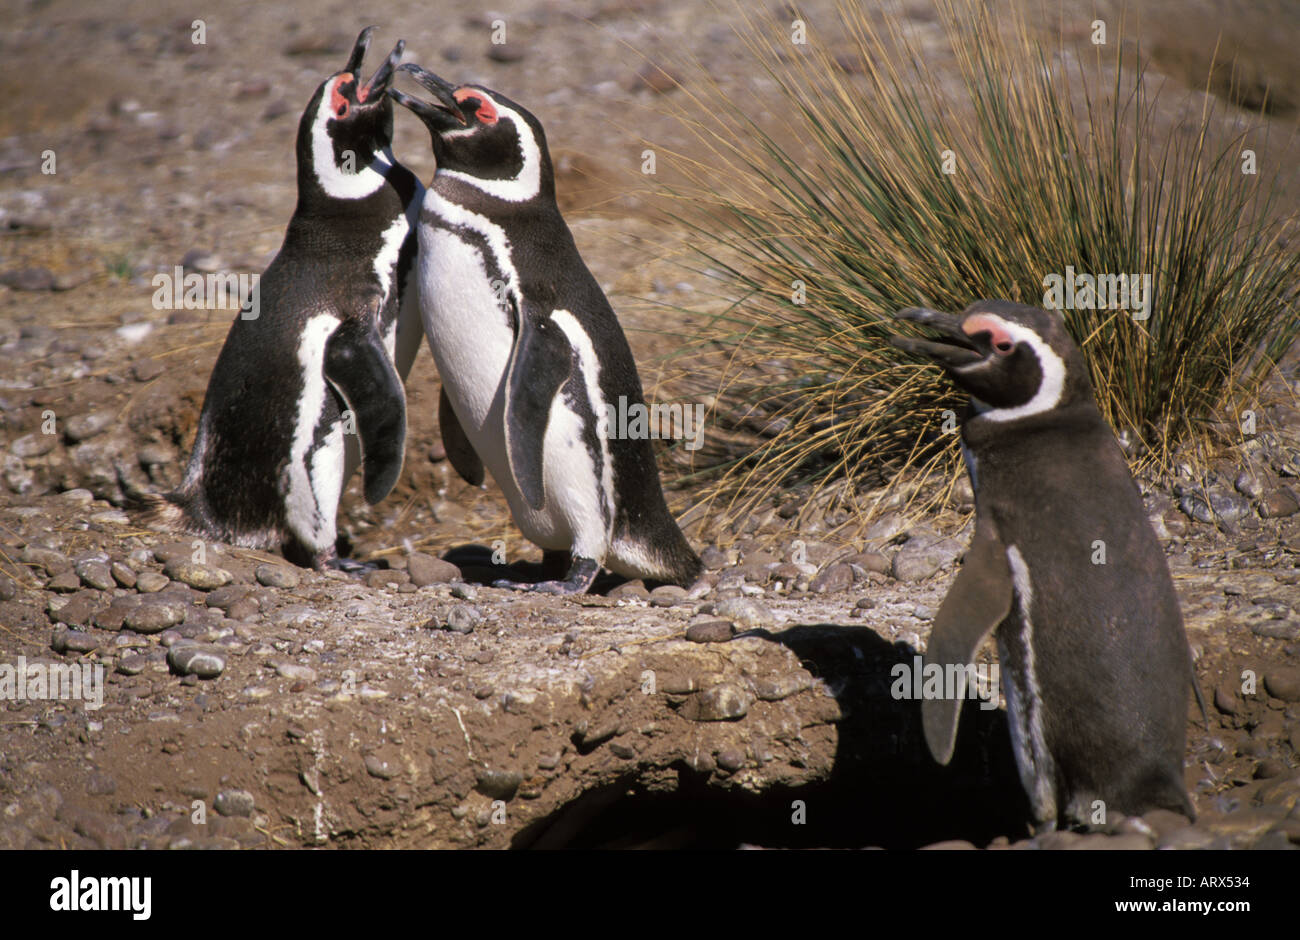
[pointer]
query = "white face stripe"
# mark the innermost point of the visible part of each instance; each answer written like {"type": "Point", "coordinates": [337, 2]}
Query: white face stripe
{"type": "Point", "coordinates": [336, 183]}
{"type": "Point", "coordinates": [523, 186]}
{"type": "Point", "coordinates": [1050, 364]}
{"type": "Point", "coordinates": [1037, 769]}
{"type": "Point", "coordinates": [581, 342]}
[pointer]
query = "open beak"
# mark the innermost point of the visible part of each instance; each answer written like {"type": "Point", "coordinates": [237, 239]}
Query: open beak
{"type": "Point", "coordinates": [956, 349]}
{"type": "Point", "coordinates": [373, 90]}
{"type": "Point", "coordinates": [442, 115]}
{"type": "Point", "coordinates": [359, 50]}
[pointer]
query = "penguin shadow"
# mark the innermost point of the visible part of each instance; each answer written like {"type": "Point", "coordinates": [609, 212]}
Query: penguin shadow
{"type": "Point", "coordinates": [885, 790]}
{"type": "Point", "coordinates": [477, 567]}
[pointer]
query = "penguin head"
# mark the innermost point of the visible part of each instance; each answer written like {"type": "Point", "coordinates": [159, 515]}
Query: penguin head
{"type": "Point", "coordinates": [348, 125]}
{"type": "Point", "coordinates": [483, 138]}
{"type": "Point", "coordinates": [1013, 359]}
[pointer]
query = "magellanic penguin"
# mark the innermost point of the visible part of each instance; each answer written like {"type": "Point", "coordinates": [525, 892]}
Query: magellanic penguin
{"type": "Point", "coordinates": [322, 360]}
{"type": "Point", "coordinates": [1065, 567]}
{"type": "Point", "coordinates": [529, 350]}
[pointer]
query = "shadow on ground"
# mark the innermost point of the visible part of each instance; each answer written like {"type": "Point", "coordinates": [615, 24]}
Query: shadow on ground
{"type": "Point", "coordinates": [885, 789]}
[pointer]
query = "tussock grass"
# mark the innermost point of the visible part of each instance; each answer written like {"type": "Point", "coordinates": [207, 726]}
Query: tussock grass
{"type": "Point", "coordinates": [830, 175]}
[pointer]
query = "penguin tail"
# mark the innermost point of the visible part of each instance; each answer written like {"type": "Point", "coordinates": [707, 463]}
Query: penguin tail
{"type": "Point", "coordinates": [668, 558]}
{"type": "Point", "coordinates": [173, 512]}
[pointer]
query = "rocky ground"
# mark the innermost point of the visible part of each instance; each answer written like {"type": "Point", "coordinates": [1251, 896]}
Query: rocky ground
{"type": "Point", "coordinates": [248, 703]}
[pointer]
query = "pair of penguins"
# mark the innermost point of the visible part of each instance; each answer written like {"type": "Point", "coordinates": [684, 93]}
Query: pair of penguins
{"type": "Point", "coordinates": [528, 350]}
{"type": "Point", "coordinates": [526, 344]}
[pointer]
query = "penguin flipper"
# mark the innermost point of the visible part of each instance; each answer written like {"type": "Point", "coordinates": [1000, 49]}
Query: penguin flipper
{"type": "Point", "coordinates": [357, 365]}
{"type": "Point", "coordinates": [978, 601]}
{"type": "Point", "coordinates": [540, 363]}
{"type": "Point", "coordinates": [459, 450]}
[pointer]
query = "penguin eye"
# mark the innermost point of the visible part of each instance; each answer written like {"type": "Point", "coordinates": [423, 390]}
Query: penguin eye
{"type": "Point", "coordinates": [342, 109]}
{"type": "Point", "coordinates": [1004, 347]}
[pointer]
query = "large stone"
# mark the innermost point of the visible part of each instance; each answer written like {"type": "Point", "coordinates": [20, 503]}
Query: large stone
{"type": "Point", "coordinates": [425, 570]}
{"type": "Point", "coordinates": [921, 557]}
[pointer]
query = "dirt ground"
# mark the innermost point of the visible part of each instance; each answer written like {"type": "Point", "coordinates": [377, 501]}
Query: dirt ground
{"type": "Point", "coordinates": [416, 706]}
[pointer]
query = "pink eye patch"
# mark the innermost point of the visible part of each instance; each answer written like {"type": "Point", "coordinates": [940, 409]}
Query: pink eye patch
{"type": "Point", "coordinates": [485, 111]}
{"type": "Point", "coordinates": [999, 336]}
{"type": "Point", "coordinates": [339, 104]}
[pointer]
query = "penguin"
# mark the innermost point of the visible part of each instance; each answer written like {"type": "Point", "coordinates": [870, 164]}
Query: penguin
{"type": "Point", "coordinates": [530, 352]}
{"type": "Point", "coordinates": [322, 360]}
{"type": "Point", "coordinates": [1093, 657]}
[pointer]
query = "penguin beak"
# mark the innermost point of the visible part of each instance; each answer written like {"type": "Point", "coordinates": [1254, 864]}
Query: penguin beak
{"type": "Point", "coordinates": [445, 114]}
{"type": "Point", "coordinates": [956, 350]}
{"type": "Point", "coordinates": [359, 50]}
{"type": "Point", "coordinates": [373, 90]}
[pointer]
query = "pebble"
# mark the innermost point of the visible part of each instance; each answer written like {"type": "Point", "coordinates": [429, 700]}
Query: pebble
{"type": "Point", "coordinates": [47, 558]}
{"type": "Point", "coordinates": [869, 561]}
{"type": "Point", "coordinates": [838, 577]}
{"type": "Point", "coordinates": [921, 557]}
{"type": "Point", "coordinates": [668, 595]}
{"type": "Point", "coordinates": [65, 582]}
{"type": "Point", "coordinates": [722, 702]}
{"type": "Point", "coordinates": [122, 574]}
{"type": "Point", "coordinates": [1276, 629]}
{"type": "Point", "coordinates": [200, 577]}
{"type": "Point", "coordinates": [498, 784]}
{"type": "Point", "coordinates": [425, 570]}
{"type": "Point", "coordinates": [276, 576]}
{"type": "Point", "coordinates": [76, 612]}
{"type": "Point", "coordinates": [193, 659]}
{"type": "Point", "coordinates": [1284, 683]}
{"type": "Point", "coordinates": [386, 577]}
{"type": "Point", "coordinates": [84, 427]}
{"type": "Point", "coordinates": [153, 617]}
{"type": "Point", "coordinates": [132, 664]}
{"type": "Point", "coordinates": [710, 631]}
{"type": "Point", "coordinates": [379, 768]}
{"type": "Point", "coordinates": [731, 759]}
{"type": "Point", "coordinates": [1279, 504]}
{"type": "Point", "coordinates": [462, 618]}
{"type": "Point", "coordinates": [33, 445]}
{"type": "Point", "coordinates": [1225, 701]}
{"type": "Point", "coordinates": [745, 612]}
{"type": "Point", "coordinates": [96, 575]}
{"type": "Point", "coordinates": [234, 803]}
{"type": "Point", "coordinates": [774, 689]}
{"type": "Point", "coordinates": [463, 591]}
{"type": "Point", "coordinates": [223, 598]}
{"type": "Point", "coordinates": [1249, 484]}
{"type": "Point", "coordinates": [296, 672]}
{"type": "Point", "coordinates": [78, 641]}
{"type": "Point", "coordinates": [151, 582]}
{"type": "Point", "coordinates": [629, 590]}
{"type": "Point", "coordinates": [8, 588]}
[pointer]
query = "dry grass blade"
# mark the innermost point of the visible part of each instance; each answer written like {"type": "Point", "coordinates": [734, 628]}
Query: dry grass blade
{"type": "Point", "coordinates": [863, 190]}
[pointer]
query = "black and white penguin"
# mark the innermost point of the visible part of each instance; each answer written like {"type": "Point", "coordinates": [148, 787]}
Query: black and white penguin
{"type": "Point", "coordinates": [324, 359]}
{"type": "Point", "coordinates": [530, 351]}
{"type": "Point", "coordinates": [1065, 567]}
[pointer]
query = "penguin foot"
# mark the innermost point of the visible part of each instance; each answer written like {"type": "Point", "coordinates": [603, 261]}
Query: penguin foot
{"type": "Point", "coordinates": [582, 572]}
{"type": "Point", "coordinates": [351, 565]}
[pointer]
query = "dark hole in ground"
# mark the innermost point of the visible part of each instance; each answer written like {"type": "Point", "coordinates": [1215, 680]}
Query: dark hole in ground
{"type": "Point", "coordinates": [884, 790]}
